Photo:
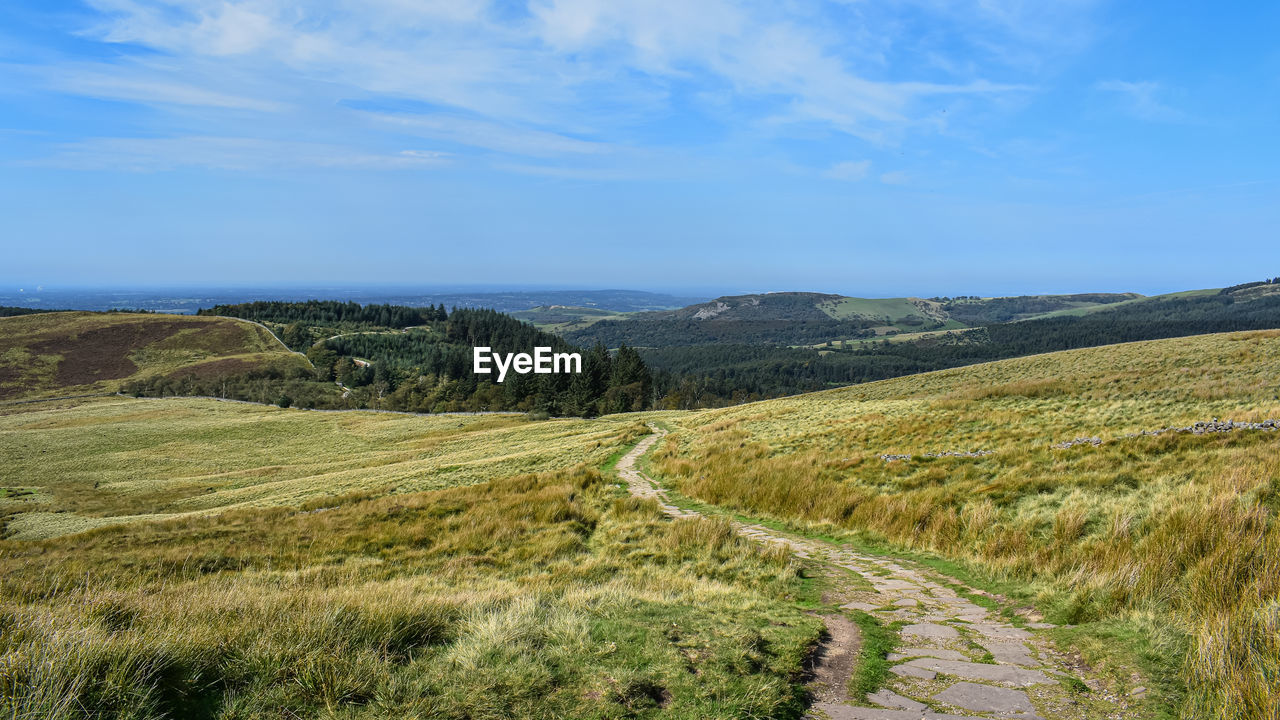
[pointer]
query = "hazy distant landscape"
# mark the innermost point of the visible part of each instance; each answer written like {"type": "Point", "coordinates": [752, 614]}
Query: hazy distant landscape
{"type": "Point", "coordinates": [188, 300]}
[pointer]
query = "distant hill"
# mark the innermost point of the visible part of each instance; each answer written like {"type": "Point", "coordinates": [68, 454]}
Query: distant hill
{"type": "Point", "coordinates": [63, 353]}
{"type": "Point", "coordinates": [563, 318]}
{"type": "Point", "coordinates": [701, 375]}
{"type": "Point", "coordinates": [188, 300]}
{"type": "Point", "coordinates": [802, 318]}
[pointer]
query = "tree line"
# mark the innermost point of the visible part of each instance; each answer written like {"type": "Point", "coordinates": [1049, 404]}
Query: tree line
{"type": "Point", "coordinates": [422, 365]}
{"type": "Point", "coordinates": [331, 313]}
{"type": "Point", "coordinates": [713, 375]}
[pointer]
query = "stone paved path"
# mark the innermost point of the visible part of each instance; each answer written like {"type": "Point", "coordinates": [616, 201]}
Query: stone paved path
{"type": "Point", "coordinates": [957, 658]}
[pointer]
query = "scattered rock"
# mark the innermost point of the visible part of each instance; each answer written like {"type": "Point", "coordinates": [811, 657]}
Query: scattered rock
{"type": "Point", "coordinates": [1095, 441]}
{"type": "Point", "coordinates": [914, 652]}
{"type": "Point", "coordinates": [1020, 677]}
{"type": "Point", "coordinates": [984, 698]}
{"type": "Point", "coordinates": [914, 671]}
{"type": "Point", "coordinates": [833, 711]}
{"type": "Point", "coordinates": [930, 630]}
{"type": "Point", "coordinates": [1204, 427]}
{"type": "Point", "coordinates": [891, 699]}
{"type": "Point", "coordinates": [1010, 653]}
{"type": "Point", "coordinates": [945, 453]}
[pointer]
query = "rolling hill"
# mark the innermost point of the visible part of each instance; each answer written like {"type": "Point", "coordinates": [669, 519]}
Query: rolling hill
{"type": "Point", "coordinates": [291, 565]}
{"type": "Point", "coordinates": [802, 318]}
{"type": "Point", "coordinates": [125, 460]}
{"type": "Point", "coordinates": [66, 353]}
{"type": "Point", "coordinates": [704, 375]}
{"type": "Point", "coordinates": [1132, 488]}
{"type": "Point", "coordinates": [377, 563]}
{"type": "Point", "coordinates": [563, 318]}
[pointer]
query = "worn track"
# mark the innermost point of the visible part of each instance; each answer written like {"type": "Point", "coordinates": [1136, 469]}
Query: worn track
{"type": "Point", "coordinates": [958, 659]}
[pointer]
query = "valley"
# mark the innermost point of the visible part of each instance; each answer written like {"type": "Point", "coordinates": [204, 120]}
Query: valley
{"type": "Point", "coordinates": [1066, 501]}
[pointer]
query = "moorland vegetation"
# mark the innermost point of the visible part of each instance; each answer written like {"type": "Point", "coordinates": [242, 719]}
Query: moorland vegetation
{"type": "Point", "coordinates": [1163, 546]}
{"type": "Point", "coordinates": [543, 595]}
{"type": "Point", "coordinates": [228, 560]}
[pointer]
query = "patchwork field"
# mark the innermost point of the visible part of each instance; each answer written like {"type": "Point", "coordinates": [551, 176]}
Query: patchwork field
{"type": "Point", "coordinates": [1169, 540]}
{"type": "Point", "coordinates": [68, 353]}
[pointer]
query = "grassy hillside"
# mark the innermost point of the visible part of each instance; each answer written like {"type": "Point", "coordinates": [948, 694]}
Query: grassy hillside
{"type": "Point", "coordinates": [535, 596]}
{"type": "Point", "coordinates": [716, 374]}
{"type": "Point", "coordinates": [395, 357]}
{"type": "Point", "coordinates": [803, 318]}
{"type": "Point", "coordinates": [1167, 543]}
{"type": "Point", "coordinates": [125, 460]}
{"type": "Point", "coordinates": [65, 353]}
{"type": "Point", "coordinates": [891, 314]}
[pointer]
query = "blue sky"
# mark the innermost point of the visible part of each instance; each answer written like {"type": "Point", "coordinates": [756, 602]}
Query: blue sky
{"type": "Point", "coordinates": [875, 148]}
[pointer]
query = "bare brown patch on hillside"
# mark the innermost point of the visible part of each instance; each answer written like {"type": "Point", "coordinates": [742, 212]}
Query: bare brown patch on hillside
{"type": "Point", "coordinates": [215, 368]}
{"type": "Point", "coordinates": [102, 353]}
{"type": "Point", "coordinates": [78, 350]}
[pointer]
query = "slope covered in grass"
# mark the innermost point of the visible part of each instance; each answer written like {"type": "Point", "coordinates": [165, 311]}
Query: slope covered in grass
{"type": "Point", "coordinates": [68, 469]}
{"type": "Point", "coordinates": [805, 318]}
{"type": "Point", "coordinates": [1170, 537]}
{"type": "Point", "coordinates": [536, 596]}
{"type": "Point", "coordinates": [63, 353]}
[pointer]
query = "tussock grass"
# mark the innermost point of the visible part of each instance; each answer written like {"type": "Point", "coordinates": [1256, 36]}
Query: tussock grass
{"type": "Point", "coordinates": [1176, 527]}
{"type": "Point", "coordinates": [535, 596]}
{"type": "Point", "coordinates": [129, 460]}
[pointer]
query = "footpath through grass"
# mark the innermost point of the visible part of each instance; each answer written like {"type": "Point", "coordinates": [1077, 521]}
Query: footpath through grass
{"type": "Point", "coordinates": [1160, 546]}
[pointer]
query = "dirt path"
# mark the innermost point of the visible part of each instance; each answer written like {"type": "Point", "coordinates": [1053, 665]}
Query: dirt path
{"type": "Point", "coordinates": [957, 659]}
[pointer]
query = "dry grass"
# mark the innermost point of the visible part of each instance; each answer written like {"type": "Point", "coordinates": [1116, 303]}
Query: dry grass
{"type": "Point", "coordinates": [125, 459]}
{"type": "Point", "coordinates": [1178, 527]}
{"type": "Point", "coordinates": [536, 596]}
{"type": "Point", "coordinates": [548, 595]}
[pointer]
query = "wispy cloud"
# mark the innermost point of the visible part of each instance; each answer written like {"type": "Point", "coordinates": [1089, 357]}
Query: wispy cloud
{"type": "Point", "coordinates": [490, 135]}
{"type": "Point", "coordinates": [896, 177]}
{"type": "Point", "coordinates": [565, 79]}
{"type": "Point", "coordinates": [99, 83]}
{"type": "Point", "coordinates": [848, 170]}
{"type": "Point", "coordinates": [227, 153]}
{"type": "Point", "coordinates": [1139, 99]}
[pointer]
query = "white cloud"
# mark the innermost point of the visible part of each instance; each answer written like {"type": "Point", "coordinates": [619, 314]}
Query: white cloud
{"type": "Point", "coordinates": [896, 177]}
{"type": "Point", "coordinates": [1140, 100]}
{"type": "Point", "coordinates": [227, 153]}
{"type": "Point", "coordinates": [99, 83]}
{"type": "Point", "coordinates": [848, 170]}
{"type": "Point", "coordinates": [489, 135]}
{"type": "Point", "coordinates": [568, 79]}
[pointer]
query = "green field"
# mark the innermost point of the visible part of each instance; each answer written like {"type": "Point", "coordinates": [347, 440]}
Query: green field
{"type": "Point", "coordinates": [67, 353]}
{"type": "Point", "coordinates": [900, 314]}
{"type": "Point", "coordinates": [562, 318]}
{"type": "Point", "coordinates": [1090, 309]}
